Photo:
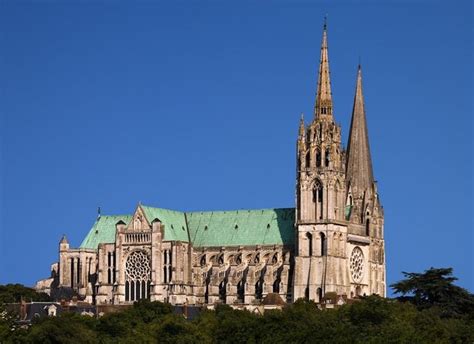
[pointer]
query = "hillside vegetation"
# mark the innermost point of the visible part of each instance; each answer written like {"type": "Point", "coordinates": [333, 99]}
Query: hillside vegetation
{"type": "Point", "coordinates": [430, 309]}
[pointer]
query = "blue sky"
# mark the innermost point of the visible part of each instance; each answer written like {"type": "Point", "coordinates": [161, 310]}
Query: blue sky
{"type": "Point", "coordinates": [196, 106]}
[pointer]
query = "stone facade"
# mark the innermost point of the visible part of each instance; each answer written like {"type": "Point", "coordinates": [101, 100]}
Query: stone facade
{"type": "Point", "coordinates": [330, 243]}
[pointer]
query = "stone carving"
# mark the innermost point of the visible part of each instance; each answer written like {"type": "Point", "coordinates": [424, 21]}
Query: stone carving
{"type": "Point", "coordinates": [137, 267]}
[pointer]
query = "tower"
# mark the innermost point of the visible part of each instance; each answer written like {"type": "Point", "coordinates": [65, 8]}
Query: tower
{"type": "Point", "coordinates": [364, 211]}
{"type": "Point", "coordinates": [321, 230]}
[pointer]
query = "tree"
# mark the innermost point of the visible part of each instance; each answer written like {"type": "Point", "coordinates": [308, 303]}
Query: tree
{"type": "Point", "coordinates": [11, 293]}
{"type": "Point", "coordinates": [435, 288]}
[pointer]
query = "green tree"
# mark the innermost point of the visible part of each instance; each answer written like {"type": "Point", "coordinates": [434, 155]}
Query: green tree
{"type": "Point", "coordinates": [11, 293]}
{"type": "Point", "coordinates": [435, 288]}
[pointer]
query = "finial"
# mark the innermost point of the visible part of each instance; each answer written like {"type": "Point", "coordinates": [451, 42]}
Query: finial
{"type": "Point", "coordinates": [360, 63]}
{"type": "Point", "coordinates": [302, 129]}
{"type": "Point", "coordinates": [325, 22]}
{"type": "Point", "coordinates": [98, 212]}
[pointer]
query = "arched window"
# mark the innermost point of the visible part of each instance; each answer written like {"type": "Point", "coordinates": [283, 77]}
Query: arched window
{"type": "Point", "coordinates": [367, 227]}
{"type": "Point", "coordinates": [318, 200]}
{"type": "Point", "coordinates": [320, 295]}
{"type": "Point", "coordinates": [259, 289]}
{"type": "Point", "coordinates": [308, 160]}
{"type": "Point", "coordinates": [276, 285]}
{"type": "Point", "coordinates": [206, 293]}
{"type": "Point", "coordinates": [337, 187]}
{"type": "Point", "coordinates": [203, 260]}
{"type": "Point", "coordinates": [223, 291]}
{"type": "Point", "coordinates": [322, 238]}
{"type": "Point", "coordinates": [318, 158]}
{"type": "Point", "coordinates": [310, 244]}
{"type": "Point", "coordinates": [241, 291]}
{"type": "Point", "coordinates": [327, 158]}
{"type": "Point", "coordinates": [167, 266]}
{"type": "Point", "coordinates": [137, 276]}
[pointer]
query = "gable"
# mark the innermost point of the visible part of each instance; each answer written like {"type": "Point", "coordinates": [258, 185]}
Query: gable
{"type": "Point", "coordinates": [174, 221]}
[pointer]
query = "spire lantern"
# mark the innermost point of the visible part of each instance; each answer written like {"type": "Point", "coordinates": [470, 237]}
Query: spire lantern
{"type": "Point", "coordinates": [323, 105]}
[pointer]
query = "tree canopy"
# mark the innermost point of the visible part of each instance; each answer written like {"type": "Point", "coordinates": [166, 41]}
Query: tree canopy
{"type": "Point", "coordinates": [409, 319]}
{"type": "Point", "coordinates": [435, 288]}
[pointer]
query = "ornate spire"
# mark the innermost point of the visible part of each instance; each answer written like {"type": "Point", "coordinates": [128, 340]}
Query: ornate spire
{"type": "Point", "coordinates": [359, 163]}
{"type": "Point", "coordinates": [302, 128]}
{"type": "Point", "coordinates": [323, 105]}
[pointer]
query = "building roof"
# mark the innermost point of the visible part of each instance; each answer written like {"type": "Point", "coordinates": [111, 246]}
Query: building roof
{"type": "Point", "coordinates": [207, 229]}
{"type": "Point", "coordinates": [174, 221]}
{"type": "Point", "coordinates": [242, 227]}
{"type": "Point", "coordinates": [103, 230]}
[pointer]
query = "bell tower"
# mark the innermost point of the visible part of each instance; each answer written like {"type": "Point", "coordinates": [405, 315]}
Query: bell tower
{"type": "Point", "coordinates": [321, 231]}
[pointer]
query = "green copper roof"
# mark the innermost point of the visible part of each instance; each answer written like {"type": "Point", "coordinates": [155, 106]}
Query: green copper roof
{"type": "Point", "coordinates": [242, 227]}
{"type": "Point", "coordinates": [103, 231]}
{"type": "Point", "coordinates": [174, 221]}
{"type": "Point", "coordinates": [210, 228]}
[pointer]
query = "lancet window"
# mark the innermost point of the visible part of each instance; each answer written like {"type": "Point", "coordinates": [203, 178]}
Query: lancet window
{"type": "Point", "coordinates": [167, 266]}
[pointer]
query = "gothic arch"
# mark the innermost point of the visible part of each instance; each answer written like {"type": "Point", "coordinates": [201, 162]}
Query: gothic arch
{"type": "Point", "coordinates": [309, 237]}
{"type": "Point", "coordinates": [337, 191]}
{"type": "Point", "coordinates": [318, 198]}
{"type": "Point", "coordinates": [318, 157]}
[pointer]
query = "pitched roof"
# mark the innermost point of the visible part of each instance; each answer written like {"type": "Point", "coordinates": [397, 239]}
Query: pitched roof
{"type": "Point", "coordinates": [207, 229]}
{"type": "Point", "coordinates": [174, 221]}
{"type": "Point", "coordinates": [242, 227]}
{"type": "Point", "coordinates": [103, 230]}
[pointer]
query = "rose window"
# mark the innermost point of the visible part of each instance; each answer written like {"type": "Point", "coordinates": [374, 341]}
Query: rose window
{"type": "Point", "coordinates": [357, 264]}
{"type": "Point", "coordinates": [137, 275]}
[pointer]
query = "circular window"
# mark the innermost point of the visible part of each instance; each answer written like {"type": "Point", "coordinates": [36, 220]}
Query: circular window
{"type": "Point", "coordinates": [137, 267]}
{"type": "Point", "coordinates": [357, 264]}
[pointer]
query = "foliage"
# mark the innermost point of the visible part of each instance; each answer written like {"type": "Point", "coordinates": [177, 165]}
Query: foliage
{"type": "Point", "coordinates": [371, 320]}
{"type": "Point", "coordinates": [435, 288]}
{"type": "Point", "coordinates": [11, 293]}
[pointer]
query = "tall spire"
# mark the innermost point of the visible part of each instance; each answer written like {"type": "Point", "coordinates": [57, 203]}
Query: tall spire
{"type": "Point", "coordinates": [359, 163]}
{"type": "Point", "coordinates": [323, 105]}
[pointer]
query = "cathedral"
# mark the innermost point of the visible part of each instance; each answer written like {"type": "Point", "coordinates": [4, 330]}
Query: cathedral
{"type": "Point", "coordinates": [331, 243]}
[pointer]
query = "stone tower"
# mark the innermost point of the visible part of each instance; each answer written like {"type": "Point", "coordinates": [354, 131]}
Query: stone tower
{"type": "Point", "coordinates": [339, 220]}
{"type": "Point", "coordinates": [320, 192]}
{"type": "Point", "coordinates": [364, 211]}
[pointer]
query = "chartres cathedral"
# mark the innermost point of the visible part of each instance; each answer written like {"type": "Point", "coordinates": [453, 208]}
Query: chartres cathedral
{"type": "Point", "coordinates": [331, 242]}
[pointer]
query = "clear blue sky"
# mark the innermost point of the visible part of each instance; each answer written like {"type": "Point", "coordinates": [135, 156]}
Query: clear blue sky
{"type": "Point", "coordinates": [196, 106]}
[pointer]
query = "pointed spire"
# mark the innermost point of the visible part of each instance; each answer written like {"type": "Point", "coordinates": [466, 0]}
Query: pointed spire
{"type": "Point", "coordinates": [359, 163]}
{"type": "Point", "coordinates": [302, 128]}
{"type": "Point", "coordinates": [323, 105]}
